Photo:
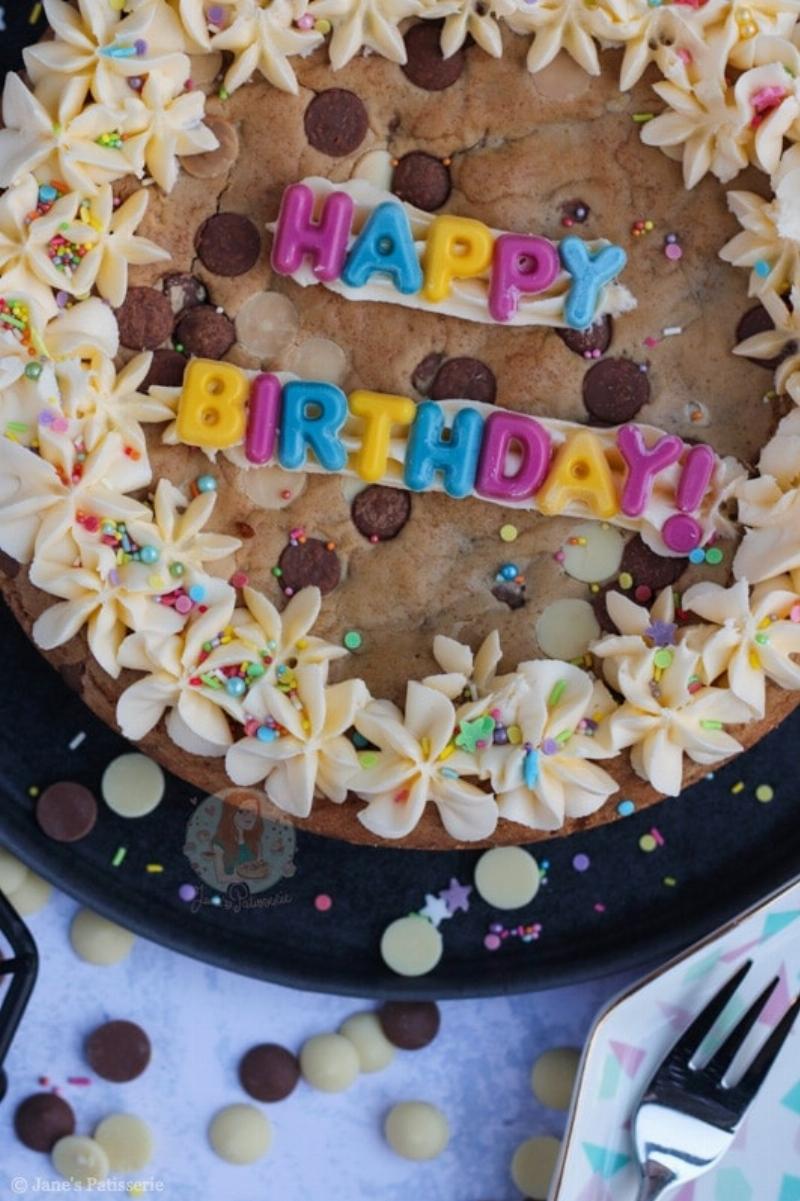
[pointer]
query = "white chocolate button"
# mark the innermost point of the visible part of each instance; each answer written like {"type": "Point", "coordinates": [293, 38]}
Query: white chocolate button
{"type": "Point", "coordinates": [565, 629]}
{"type": "Point", "coordinates": [213, 163]}
{"type": "Point", "coordinates": [203, 70]}
{"type": "Point", "coordinates": [319, 358]}
{"type": "Point", "coordinates": [271, 487]}
{"type": "Point", "coordinates": [32, 895]}
{"type": "Point", "coordinates": [266, 323]}
{"type": "Point", "coordinates": [373, 1048]}
{"type": "Point", "coordinates": [80, 1160]}
{"type": "Point", "coordinates": [127, 1142]}
{"type": "Point", "coordinates": [562, 79]}
{"type": "Point", "coordinates": [553, 1076]}
{"type": "Point", "coordinates": [240, 1134]}
{"type": "Point", "coordinates": [592, 551]}
{"type": "Point", "coordinates": [97, 940]}
{"type": "Point", "coordinates": [132, 785]}
{"type": "Point", "coordinates": [411, 946]}
{"type": "Point", "coordinates": [507, 877]}
{"type": "Point", "coordinates": [416, 1130]}
{"type": "Point", "coordinates": [12, 872]}
{"type": "Point", "coordinates": [329, 1062]}
{"type": "Point", "coordinates": [377, 168]}
{"type": "Point", "coordinates": [533, 1166]}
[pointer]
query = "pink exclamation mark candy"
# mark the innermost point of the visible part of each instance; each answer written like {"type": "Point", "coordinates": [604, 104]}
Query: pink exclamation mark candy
{"type": "Point", "coordinates": [682, 532]}
{"type": "Point", "coordinates": [263, 407]}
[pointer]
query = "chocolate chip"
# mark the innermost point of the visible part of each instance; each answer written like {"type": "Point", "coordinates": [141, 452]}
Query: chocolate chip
{"type": "Point", "coordinates": [9, 567]}
{"type": "Point", "coordinates": [244, 529]}
{"type": "Point", "coordinates": [649, 569]}
{"type": "Point", "coordinates": [336, 122]}
{"type": "Point", "coordinates": [309, 562]}
{"type": "Point", "coordinates": [66, 811]}
{"type": "Point", "coordinates": [758, 321]}
{"type": "Point", "coordinates": [228, 244]}
{"type": "Point", "coordinates": [426, 66]}
{"type": "Point", "coordinates": [507, 594]}
{"type": "Point", "coordinates": [269, 1072]}
{"type": "Point", "coordinates": [464, 379]}
{"type": "Point", "coordinates": [166, 370]}
{"type": "Point", "coordinates": [424, 373]}
{"type": "Point", "coordinates": [204, 332]}
{"type": "Point", "coordinates": [614, 390]}
{"type": "Point", "coordinates": [42, 1119]}
{"type": "Point", "coordinates": [183, 291]}
{"type": "Point", "coordinates": [410, 1025]}
{"type": "Point", "coordinates": [118, 1051]}
{"type": "Point", "coordinates": [421, 180]}
{"type": "Point", "coordinates": [584, 341]}
{"type": "Point", "coordinates": [380, 513]}
{"type": "Point", "coordinates": [145, 319]}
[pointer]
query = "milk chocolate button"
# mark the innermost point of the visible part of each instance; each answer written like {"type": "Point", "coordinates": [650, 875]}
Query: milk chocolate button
{"type": "Point", "coordinates": [269, 1072]}
{"type": "Point", "coordinates": [464, 379]}
{"type": "Point", "coordinates": [758, 321]}
{"type": "Point", "coordinates": [426, 66]}
{"type": "Point", "coordinates": [166, 370]}
{"type": "Point", "coordinates": [421, 180]}
{"type": "Point", "coordinates": [410, 1025]}
{"type": "Point", "coordinates": [228, 244]}
{"type": "Point", "coordinates": [118, 1051]}
{"type": "Point", "coordinates": [649, 569]}
{"type": "Point", "coordinates": [509, 594]}
{"type": "Point", "coordinates": [204, 332]}
{"type": "Point", "coordinates": [336, 122]}
{"type": "Point", "coordinates": [309, 562]}
{"type": "Point", "coordinates": [380, 513]}
{"type": "Point", "coordinates": [585, 341]}
{"type": "Point", "coordinates": [66, 811]}
{"type": "Point", "coordinates": [614, 390]}
{"type": "Point", "coordinates": [424, 373]}
{"type": "Point", "coordinates": [145, 319]}
{"type": "Point", "coordinates": [183, 291]}
{"type": "Point", "coordinates": [42, 1119]}
{"type": "Point", "coordinates": [214, 162]}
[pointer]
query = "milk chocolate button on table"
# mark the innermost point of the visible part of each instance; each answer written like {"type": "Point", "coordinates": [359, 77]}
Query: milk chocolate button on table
{"type": "Point", "coordinates": [410, 1025]}
{"type": "Point", "coordinates": [269, 1072]}
{"type": "Point", "coordinates": [42, 1119]}
{"type": "Point", "coordinates": [118, 1051]}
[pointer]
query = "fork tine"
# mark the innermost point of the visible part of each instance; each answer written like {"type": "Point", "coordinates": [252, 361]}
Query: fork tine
{"type": "Point", "coordinates": [756, 1074]}
{"type": "Point", "coordinates": [724, 1057]}
{"type": "Point", "coordinates": [691, 1039]}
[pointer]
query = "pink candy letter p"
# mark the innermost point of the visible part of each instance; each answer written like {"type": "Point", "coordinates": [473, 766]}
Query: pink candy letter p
{"type": "Point", "coordinates": [521, 264]}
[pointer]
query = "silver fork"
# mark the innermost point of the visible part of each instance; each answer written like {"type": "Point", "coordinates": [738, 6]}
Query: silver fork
{"type": "Point", "coordinates": [689, 1116]}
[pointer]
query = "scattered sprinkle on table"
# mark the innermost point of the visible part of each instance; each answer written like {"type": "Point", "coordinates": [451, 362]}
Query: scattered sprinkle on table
{"type": "Point", "coordinates": [764, 793]}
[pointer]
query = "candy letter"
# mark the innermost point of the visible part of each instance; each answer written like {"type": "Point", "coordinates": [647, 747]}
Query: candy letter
{"type": "Point", "coordinates": [581, 473]}
{"type": "Point", "coordinates": [298, 235]}
{"type": "Point", "coordinates": [590, 273]}
{"type": "Point", "coordinates": [682, 533]}
{"type": "Point", "coordinates": [506, 432]}
{"type": "Point", "coordinates": [385, 244]}
{"type": "Point", "coordinates": [428, 452]}
{"type": "Point", "coordinates": [313, 414]}
{"type": "Point", "coordinates": [520, 264]}
{"type": "Point", "coordinates": [644, 465]}
{"type": "Point", "coordinates": [456, 248]}
{"type": "Point", "coordinates": [263, 409]}
{"type": "Point", "coordinates": [211, 410]}
{"type": "Point", "coordinates": [695, 477]}
{"type": "Point", "coordinates": [379, 412]}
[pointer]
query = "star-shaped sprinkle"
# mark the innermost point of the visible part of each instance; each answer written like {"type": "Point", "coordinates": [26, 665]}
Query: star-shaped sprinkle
{"type": "Point", "coordinates": [456, 896]}
{"type": "Point", "coordinates": [661, 633]}
{"type": "Point", "coordinates": [475, 734]}
{"type": "Point", "coordinates": [435, 909]}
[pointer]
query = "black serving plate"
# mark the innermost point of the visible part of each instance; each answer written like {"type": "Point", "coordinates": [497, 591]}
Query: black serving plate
{"type": "Point", "coordinates": [719, 850]}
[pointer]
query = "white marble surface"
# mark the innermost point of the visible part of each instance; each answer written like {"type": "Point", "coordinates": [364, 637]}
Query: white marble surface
{"type": "Point", "coordinates": [325, 1148]}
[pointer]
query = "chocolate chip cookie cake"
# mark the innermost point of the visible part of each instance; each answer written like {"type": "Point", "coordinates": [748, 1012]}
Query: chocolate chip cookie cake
{"type": "Point", "coordinates": [399, 396]}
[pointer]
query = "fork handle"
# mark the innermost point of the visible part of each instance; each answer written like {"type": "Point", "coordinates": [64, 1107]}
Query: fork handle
{"type": "Point", "coordinates": [656, 1179]}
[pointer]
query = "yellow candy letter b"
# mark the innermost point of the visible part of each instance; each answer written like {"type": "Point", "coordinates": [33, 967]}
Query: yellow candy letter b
{"type": "Point", "coordinates": [211, 410]}
{"type": "Point", "coordinates": [456, 248]}
{"type": "Point", "coordinates": [579, 472]}
{"type": "Point", "coordinates": [379, 412]}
